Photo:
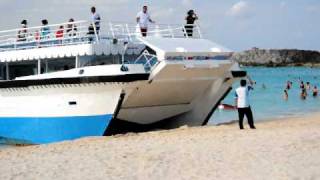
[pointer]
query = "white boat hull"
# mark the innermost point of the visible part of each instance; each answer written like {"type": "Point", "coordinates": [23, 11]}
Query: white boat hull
{"type": "Point", "coordinates": [45, 114]}
{"type": "Point", "coordinates": [177, 94]}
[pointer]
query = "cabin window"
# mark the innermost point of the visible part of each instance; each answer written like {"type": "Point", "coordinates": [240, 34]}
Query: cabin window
{"type": "Point", "coordinates": [53, 65]}
{"type": "Point", "coordinates": [19, 69]}
{"type": "Point", "coordinates": [2, 72]}
{"type": "Point", "coordinates": [99, 60]}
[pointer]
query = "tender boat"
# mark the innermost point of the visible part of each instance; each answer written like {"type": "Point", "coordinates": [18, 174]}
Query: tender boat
{"type": "Point", "coordinates": [108, 82]}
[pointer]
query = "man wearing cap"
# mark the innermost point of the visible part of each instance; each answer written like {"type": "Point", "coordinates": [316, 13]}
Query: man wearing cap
{"type": "Point", "coordinates": [143, 18]}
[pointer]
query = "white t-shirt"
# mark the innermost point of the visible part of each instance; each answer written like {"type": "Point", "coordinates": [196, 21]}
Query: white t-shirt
{"type": "Point", "coordinates": [96, 19]}
{"type": "Point", "coordinates": [144, 19]}
{"type": "Point", "coordinates": [242, 95]}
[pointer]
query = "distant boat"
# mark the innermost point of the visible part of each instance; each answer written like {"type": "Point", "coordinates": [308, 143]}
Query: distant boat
{"type": "Point", "coordinates": [115, 81]}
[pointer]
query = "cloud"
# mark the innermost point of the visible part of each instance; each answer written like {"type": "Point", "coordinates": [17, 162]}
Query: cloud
{"type": "Point", "coordinates": [239, 9]}
{"type": "Point", "coordinates": [313, 9]}
{"type": "Point", "coordinates": [163, 13]}
{"type": "Point", "coordinates": [283, 4]}
{"type": "Point", "coordinates": [187, 3]}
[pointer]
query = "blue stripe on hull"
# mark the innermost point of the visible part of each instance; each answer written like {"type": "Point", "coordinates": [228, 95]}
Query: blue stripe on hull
{"type": "Point", "coordinates": [42, 130]}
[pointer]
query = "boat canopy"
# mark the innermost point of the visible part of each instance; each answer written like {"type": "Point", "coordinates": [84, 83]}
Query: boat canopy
{"type": "Point", "coordinates": [102, 48]}
{"type": "Point", "coordinates": [173, 47]}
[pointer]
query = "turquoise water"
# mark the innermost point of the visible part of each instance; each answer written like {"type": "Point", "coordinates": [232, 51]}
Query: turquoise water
{"type": "Point", "coordinates": [269, 103]}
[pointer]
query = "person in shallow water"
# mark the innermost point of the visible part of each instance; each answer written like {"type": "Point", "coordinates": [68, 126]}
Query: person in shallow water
{"type": "Point", "coordinates": [302, 85]}
{"type": "Point", "coordinates": [308, 86]}
{"type": "Point", "coordinates": [303, 94]}
{"type": "Point", "coordinates": [242, 103]}
{"type": "Point", "coordinates": [315, 91]}
{"type": "Point", "coordinates": [285, 95]}
{"type": "Point", "coordinates": [288, 86]}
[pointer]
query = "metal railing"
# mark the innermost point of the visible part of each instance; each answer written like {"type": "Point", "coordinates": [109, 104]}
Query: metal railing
{"type": "Point", "coordinates": [131, 31]}
{"type": "Point", "coordinates": [82, 32]}
{"type": "Point", "coordinates": [47, 36]}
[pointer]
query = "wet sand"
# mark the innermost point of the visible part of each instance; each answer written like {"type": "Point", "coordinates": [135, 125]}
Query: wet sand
{"type": "Point", "coordinates": [278, 149]}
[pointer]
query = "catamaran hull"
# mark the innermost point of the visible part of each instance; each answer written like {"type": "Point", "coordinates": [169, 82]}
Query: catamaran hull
{"type": "Point", "coordinates": [176, 94]}
{"type": "Point", "coordinates": [45, 114]}
{"type": "Point", "coordinates": [40, 130]}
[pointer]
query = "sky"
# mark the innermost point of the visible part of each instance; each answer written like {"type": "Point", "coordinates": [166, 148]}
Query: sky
{"type": "Point", "coordinates": [236, 24]}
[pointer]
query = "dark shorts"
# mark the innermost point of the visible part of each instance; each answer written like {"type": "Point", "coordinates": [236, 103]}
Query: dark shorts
{"type": "Point", "coordinates": [248, 113]}
{"type": "Point", "coordinates": [189, 31]}
{"type": "Point", "coordinates": [144, 31]}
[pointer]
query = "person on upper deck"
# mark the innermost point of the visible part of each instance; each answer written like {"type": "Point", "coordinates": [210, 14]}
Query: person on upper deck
{"type": "Point", "coordinates": [143, 18]}
{"type": "Point", "coordinates": [60, 32]}
{"type": "Point", "coordinates": [71, 29]}
{"type": "Point", "coordinates": [191, 18]}
{"type": "Point", "coordinates": [23, 33]}
{"type": "Point", "coordinates": [96, 19]}
{"type": "Point", "coordinates": [45, 30]}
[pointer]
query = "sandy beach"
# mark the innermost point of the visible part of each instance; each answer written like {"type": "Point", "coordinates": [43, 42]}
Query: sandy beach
{"type": "Point", "coordinates": [278, 149]}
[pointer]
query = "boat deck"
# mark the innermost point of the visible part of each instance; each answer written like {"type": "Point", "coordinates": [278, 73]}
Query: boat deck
{"type": "Point", "coordinates": [35, 37]}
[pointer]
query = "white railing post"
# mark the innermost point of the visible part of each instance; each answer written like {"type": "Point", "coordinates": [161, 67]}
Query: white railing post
{"type": "Point", "coordinates": [199, 31]}
{"type": "Point", "coordinates": [7, 71]}
{"type": "Point", "coordinates": [95, 31]}
{"type": "Point", "coordinates": [111, 29]}
{"type": "Point", "coordinates": [15, 45]}
{"type": "Point", "coordinates": [185, 32]}
{"type": "Point", "coordinates": [47, 66]}
{"type": "Point", "coordinates": [39, 66]}
{"type": "Point", "coordinates": [170, 30]}
{"type": "Point", "coordinates": [76, 62]}
{"type": "Point", "coordinates": [128, 32]}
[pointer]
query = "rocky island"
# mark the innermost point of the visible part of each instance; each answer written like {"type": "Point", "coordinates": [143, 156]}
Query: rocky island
{"type": "Point", "coordinates": [277, 57]}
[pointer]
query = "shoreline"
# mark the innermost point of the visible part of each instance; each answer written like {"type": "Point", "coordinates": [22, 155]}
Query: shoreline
{"type": "Point", "coordinates": [277, 149]}
{"type": "Point", "coordinates": [306, 65]}
{"type": "Point", "coordinates": [265, 120]}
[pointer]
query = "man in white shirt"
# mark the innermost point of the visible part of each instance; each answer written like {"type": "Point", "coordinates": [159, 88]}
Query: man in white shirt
{"type": "Point", "coordinates": [243, 105]}
{"type": "Point", "coordinates": [96, 19]}
{"type": "Point", "coordinates": [143, 19]}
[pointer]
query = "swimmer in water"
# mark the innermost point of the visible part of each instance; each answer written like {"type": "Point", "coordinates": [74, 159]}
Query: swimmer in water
{"type": "Point", "coordinates": [308, 86]}
{"type": "Point", "coordinates": [288, 86]}
{"type": "Point", "coordinates": [315, 91]}
{"type": "Point", "coordinates": [302, 85]}
{"type": "Point", "coordinates": [285, 95]}
{"type": "Point", "coordinates": [303, 94]}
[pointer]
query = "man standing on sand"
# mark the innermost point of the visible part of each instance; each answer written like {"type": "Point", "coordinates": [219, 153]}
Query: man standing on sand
{"type": "Point", "coordinates": [143, 19]}
{"type": "Point", "coordinates": [242, 103]}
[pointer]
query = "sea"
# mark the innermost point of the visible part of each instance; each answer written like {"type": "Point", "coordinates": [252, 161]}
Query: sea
{"type": "Point", "coordinates": [267, 100]}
